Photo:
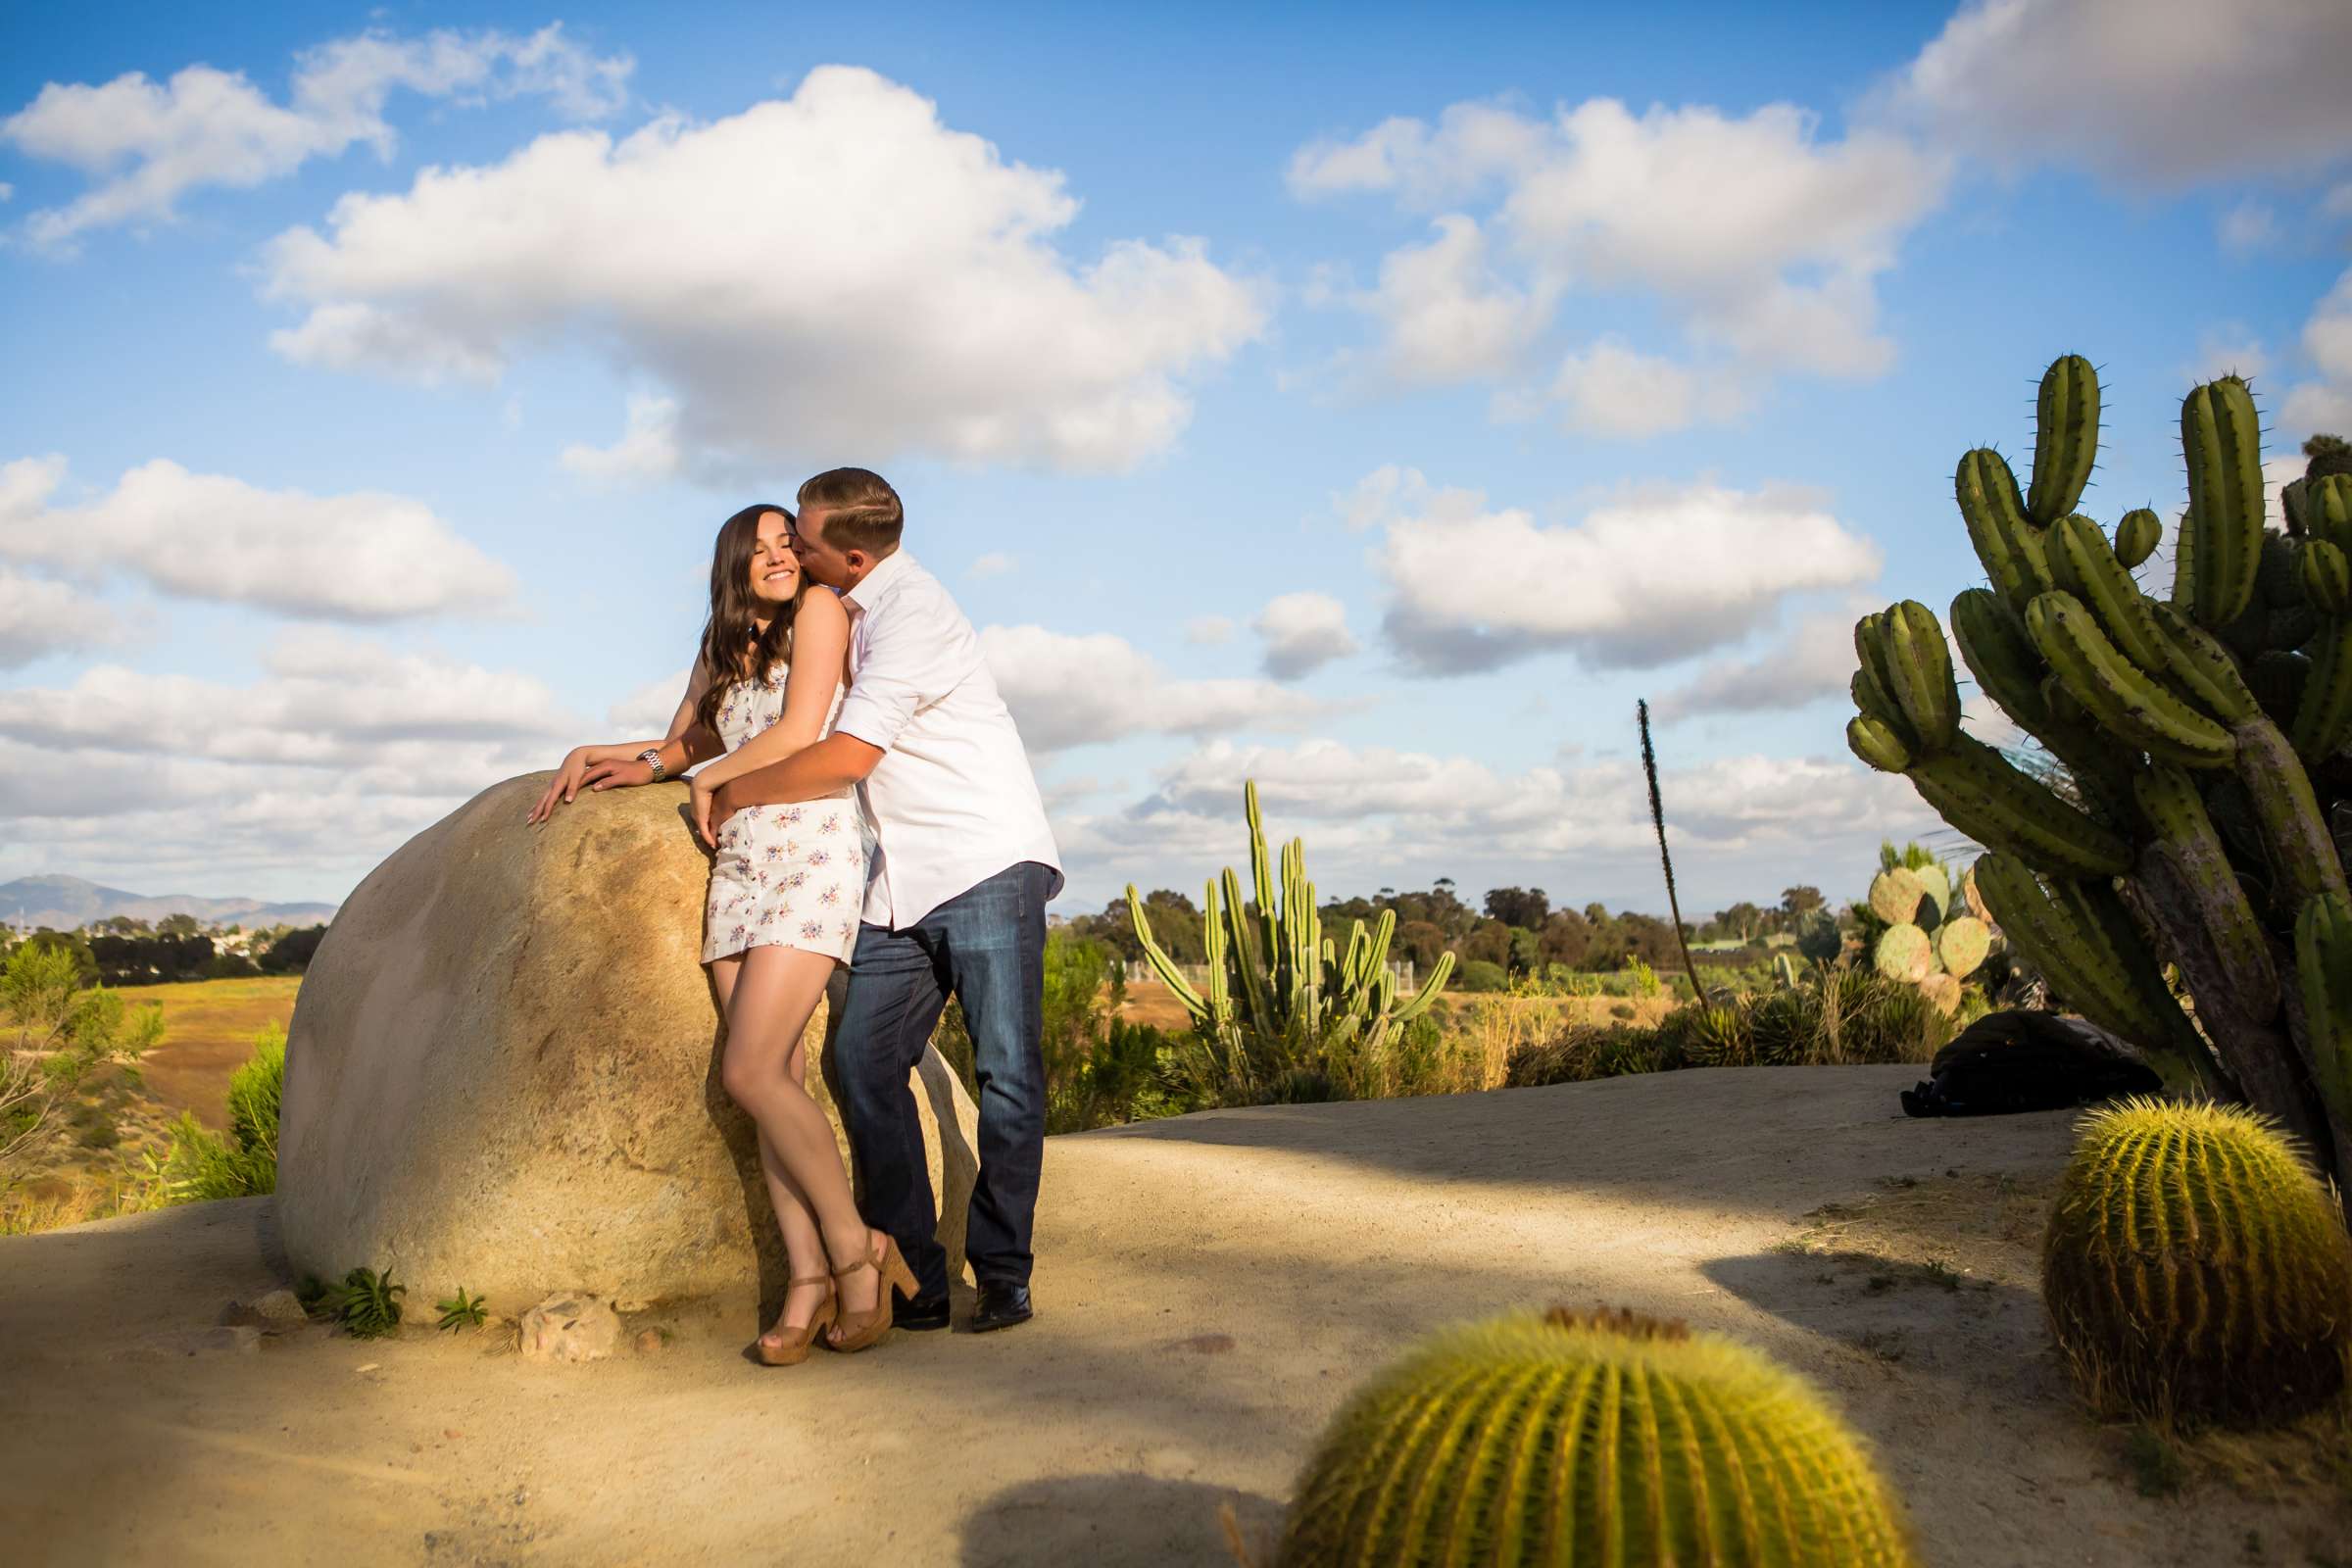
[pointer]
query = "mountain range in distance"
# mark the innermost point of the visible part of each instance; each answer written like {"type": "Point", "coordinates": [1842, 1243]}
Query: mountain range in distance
{"type": "Point", "coordinates": [62, 903]}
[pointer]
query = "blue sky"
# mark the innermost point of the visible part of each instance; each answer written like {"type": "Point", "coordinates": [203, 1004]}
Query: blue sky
{"type": "Point", "coordinates": [1368, 401]}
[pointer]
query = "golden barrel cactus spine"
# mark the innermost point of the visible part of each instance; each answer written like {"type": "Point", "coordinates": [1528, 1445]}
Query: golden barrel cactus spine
{"type": "Point", "coordinates": [2195, 1271]}
{"type": "Point", "coordinates": [1569, 1438]}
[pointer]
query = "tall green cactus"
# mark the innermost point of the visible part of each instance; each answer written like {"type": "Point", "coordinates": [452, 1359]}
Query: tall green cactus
{"type": "Point", "coordinates": [2189, 803]}
{"type": "Point", "coordinates": [1602, 1438]}
{"type": "Point", "coordinates": [1275, 981]}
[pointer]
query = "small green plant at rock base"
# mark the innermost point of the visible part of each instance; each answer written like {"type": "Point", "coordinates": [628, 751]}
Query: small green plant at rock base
{"type": "Point", "coordinates": [2157, 1468]}
{"type": "Point", "coordinates": [365, 1302]}
{"type": "Point", "coordinates": [462, 1311]}
{"type": "Point", "coordinates": [1660, 1446]}
{"type": "Point", "coordinates": [2195, 1271]}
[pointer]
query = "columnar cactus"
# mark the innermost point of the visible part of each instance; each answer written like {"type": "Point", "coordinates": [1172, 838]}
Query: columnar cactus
{"type": "Point", "coordinates": [1572, 1438]}
{"type": "Point", "coordinates": [1274, 977]}
{"type": "Point", "coordinates": [2196, 745]}
{"type": "Point", "coordinates": [2195, 1271]}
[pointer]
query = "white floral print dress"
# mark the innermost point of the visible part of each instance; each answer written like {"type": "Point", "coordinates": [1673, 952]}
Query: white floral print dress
{"type": "Point", "coordinates": [787, 876]}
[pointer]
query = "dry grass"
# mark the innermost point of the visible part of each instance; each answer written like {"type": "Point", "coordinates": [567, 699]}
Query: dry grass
{"type": "Point", "coordinates": [209, 1027]}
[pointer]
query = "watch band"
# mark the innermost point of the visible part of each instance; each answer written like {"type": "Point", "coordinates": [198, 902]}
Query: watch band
{"type": "Point", "coordinates": [652, 757]}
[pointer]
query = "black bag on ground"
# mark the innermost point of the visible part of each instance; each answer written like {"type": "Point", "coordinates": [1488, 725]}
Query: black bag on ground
{"type": "Point", "coordinates": [2007, 1062]}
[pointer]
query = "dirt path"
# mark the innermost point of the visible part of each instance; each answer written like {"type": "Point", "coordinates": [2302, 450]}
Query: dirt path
{"type": "Point", "coordinates": [1211, 1289]}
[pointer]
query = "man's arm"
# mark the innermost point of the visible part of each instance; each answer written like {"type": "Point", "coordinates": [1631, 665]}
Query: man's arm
{"type": "Point", "coordinates": [828, 767]}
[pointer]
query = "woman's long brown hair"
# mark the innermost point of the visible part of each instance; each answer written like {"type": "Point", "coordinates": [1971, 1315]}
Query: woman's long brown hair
{"type": "Point", "coordinates": [734, 649]}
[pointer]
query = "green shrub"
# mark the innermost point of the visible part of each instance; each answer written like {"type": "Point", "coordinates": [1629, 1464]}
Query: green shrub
{"type": "Point", "coordinates": [1480, 975]}
{"type": "Point", "coordinates": [365, 1302]}
{"type": "Point", "coordinates": [201, 1164]}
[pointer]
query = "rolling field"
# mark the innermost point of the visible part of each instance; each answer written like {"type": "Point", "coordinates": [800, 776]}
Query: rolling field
{"type": "Point", "coordinates": [209, 1027]}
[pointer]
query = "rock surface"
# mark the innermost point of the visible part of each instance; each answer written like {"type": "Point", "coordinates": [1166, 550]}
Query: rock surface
{"type": "Point", "coordinates": [570, 1328]}
{"type": "Point", "coordinates": [502, 1070]}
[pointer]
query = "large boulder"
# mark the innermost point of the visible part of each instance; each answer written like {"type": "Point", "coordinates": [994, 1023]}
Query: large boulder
{"type": "Point", "coordinates": [503, 1071]}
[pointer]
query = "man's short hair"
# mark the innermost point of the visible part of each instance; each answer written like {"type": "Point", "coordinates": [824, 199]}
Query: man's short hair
{"type": "Point", "coordinates": [861, 511]}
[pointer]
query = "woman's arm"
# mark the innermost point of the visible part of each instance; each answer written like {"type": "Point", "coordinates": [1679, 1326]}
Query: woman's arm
{"type": "Point", "coordinates": [620, 764]}
{"type": "Point", "coordinates": [820, 640]}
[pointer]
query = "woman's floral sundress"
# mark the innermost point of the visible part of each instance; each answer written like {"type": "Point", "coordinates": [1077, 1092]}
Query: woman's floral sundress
{"type": "Point", "coordinates": [787, 876]}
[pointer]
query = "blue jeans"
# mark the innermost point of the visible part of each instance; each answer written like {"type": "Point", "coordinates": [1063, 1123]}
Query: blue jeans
{"type": "Point", "coordinates": [986, 947]}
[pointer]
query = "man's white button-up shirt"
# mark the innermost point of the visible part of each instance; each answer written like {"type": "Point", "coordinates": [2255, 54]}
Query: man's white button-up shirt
{"type": "Point", "coordinates": [953, 799]}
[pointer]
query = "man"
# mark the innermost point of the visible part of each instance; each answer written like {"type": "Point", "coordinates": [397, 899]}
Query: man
{"type": "Point", "coordinates": [955, 902]}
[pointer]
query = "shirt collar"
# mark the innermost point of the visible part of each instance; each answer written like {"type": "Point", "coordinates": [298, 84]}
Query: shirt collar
{"type": "Point", "coordinates": [886, 572]}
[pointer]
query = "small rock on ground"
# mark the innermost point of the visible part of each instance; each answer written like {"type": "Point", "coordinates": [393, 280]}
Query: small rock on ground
{"type": "Point", "coordinates": [570, 1328]}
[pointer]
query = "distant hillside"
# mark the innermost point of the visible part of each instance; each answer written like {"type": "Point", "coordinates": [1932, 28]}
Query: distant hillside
{"type": "Point", "coordinates": [66, 902]}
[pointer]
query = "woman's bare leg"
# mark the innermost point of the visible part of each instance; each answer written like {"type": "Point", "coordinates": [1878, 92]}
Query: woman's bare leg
{"type": "Point", "coordinates": [804, 1244]}
{"type": "Point", "coordinates": [774, 996]}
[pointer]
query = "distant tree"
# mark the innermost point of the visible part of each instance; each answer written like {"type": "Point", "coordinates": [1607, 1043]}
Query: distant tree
{"type": "Point", "coordinates": [1421, 941]}
{"type": "Point", "coordinates": [177, 925]}
{"type": "Point", "coordinates": [1491, 944]}
{"type": "Point", "coordinates": [1801, 900]}
{"type": "Point", "coordinates": [1564, 938]}
{"type": "Point", "coordinates": [1743, 920]}
{"type": "Point", "coordinates": [1527, 907]}
{"type": "Point", "coordinates": [292, 952]}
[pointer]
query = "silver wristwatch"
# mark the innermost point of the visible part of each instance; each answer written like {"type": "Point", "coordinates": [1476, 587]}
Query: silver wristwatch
{"type": "Point", "coordinates": [651, 757]}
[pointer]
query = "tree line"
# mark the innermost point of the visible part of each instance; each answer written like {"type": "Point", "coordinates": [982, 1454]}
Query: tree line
{"type": "Point", "coordinates": [1517, 929]}
{"type": "Point", "coordinates": [126, 952]}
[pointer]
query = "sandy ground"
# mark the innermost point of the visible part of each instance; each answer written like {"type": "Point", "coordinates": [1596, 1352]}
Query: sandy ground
{"type": "Point", "coordinates": [1210, 1288]}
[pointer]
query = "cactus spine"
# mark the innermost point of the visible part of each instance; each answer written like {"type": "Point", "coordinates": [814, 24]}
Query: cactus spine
{"type": "Point", "coordinates": [1274, 977]}
{"type": "Point", "coordinates": [2203, 746]}
{"type": "Point", "coordinates": [2195, 1271]}
{"type": "Point", "coordinates": [1590, 1438]}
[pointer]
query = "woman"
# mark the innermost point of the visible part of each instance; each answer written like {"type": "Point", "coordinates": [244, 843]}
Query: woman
{"type": "Point", "coordinates": [787, 883]}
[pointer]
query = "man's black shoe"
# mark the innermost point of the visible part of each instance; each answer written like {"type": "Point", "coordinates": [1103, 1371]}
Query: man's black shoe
{"type": "Point", "coordinates": [920, 1316]}
{"type": "Point", "coordinates": [1001, 1307]}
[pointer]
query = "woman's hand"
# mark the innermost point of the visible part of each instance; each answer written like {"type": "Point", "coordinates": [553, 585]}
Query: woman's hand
{"type": "Point", "coordinates": [704, 793]}
{"type": "Point", "coordinates": [566, 782]}
{"type": "Point", "coordinates": [619, 772]}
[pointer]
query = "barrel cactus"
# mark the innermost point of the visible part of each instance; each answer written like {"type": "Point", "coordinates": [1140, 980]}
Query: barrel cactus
{"type": "Point", "coordinates": [2191, 750]}
{"type": "Point", "coordinates": [1275, 980]}
{"type": "Point", "coordinates": [2195, 1271]}
{"type": "Point", "coordinates": [1568, 1437]}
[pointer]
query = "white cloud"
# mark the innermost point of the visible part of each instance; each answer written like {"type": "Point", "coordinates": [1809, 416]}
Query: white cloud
{"type": "Point", "coordinates": [2229, 348]}
{"type": "Point", "coordinates": [1207, 631]}
{"type": "Point", "coordinates": [1653, 575]}
{"type": "Point", "coordinates": [923, 309]}
{"type": "Point", "coordinates": [2247, 228]}
{"type": "Point", "coordinates": [646, 453]}
{"type": "Point", "coordinates": [1612, 390]}
{"type": "Point", "coordinates": [1760, 239]}
{"type": "Point", "coordinates": [2325, 404]}
{"type": "Point", "coordinates": [38, 618]}
{"type": "Point", "coordinates": [364, 556]}
{"type": "Point", "coordinates": [1068, 691]}
{"type": "Point", "coordinates": [995, 563]}
{"type": "Point", "coordinates": [304, 777]}
{"type": "Point", "coordinates": [1302, 632]}
{"type": "Point", "coordinates": [2154, 93]}
{"type": "Point", "coordinates": [1373, 815]}
{"type": "Point", "coordinates": [1814, 660]}
{"type": "Point", "coordinates": [648, 709]}
{"type": "Point", "coordinates": [1446, 315]}
{"type": "Point", "coordinates": [148, 143]}
{"type": "Point", "coordinates": [1386, 493]}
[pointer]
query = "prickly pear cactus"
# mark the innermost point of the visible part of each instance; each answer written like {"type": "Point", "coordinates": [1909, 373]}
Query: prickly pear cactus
{"type": "Point", "coordinates": [2195, 1271]}
{"type": "Point", "coordinates": [2201, 742]}
{"type": "Point", "coordinates": [1961, 943]}
{"type": "Point", "coordinates": [1895, 895]}
{"type": "Point", "coordinates": [1569, 1438]}
{"type": "Point", "coordinates": [1904, 953]}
